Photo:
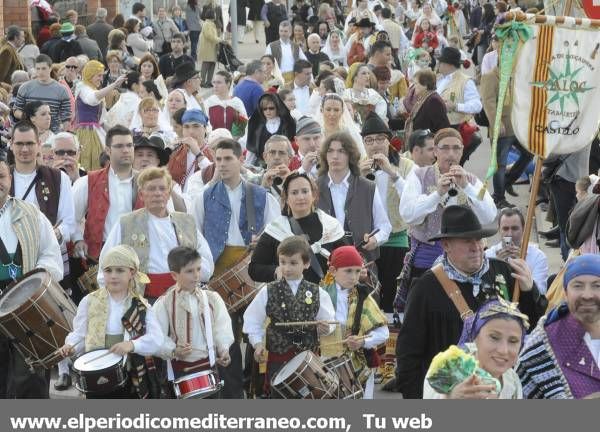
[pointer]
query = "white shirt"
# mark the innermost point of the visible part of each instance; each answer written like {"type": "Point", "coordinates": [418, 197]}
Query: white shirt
{"type": "Point", "coordinates": [221, 327]}
{"type": "Point", "coordinates": [302, 98]}
{"type": "Point", "coordinates": [287, 56]}
{"type": "Point", "coordinates": [190, 101]}
{"type": "Point", "coordinates": [472, 100]}
{"type": "Point", "coordinates": [339, 191]}
{"type": "Point", "coordinates": [375, 337]}
{"type": "Point", "coordinates": [536, 261]}
{"type": "Point", "coordinates": [162, 238]}
{"type": "Point", "coordinates": [49, 257]}
{"type": "Point", "coordinates": [66, 209]}
{"type": "Point", "coordinates": [120, 195]}
{"type": "Point", "coordinates": [415, 206]}
{"type": "Point", "coordinates": [145, 345]}
{"type": "Point", "coordinates": [256, 312]}
{"type": "Point", "coordinates": [594, 347]}
{"type": "Point", "coordinates": [234, 235]}
{"type": "Point", "coordinates": [489, 62]}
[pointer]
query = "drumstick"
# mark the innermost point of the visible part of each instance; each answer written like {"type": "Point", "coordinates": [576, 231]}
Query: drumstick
{"type": "Point", "coordinates": [303, 323]}
{"type": "Point", "coordinates": [98, 358]}
{"type": "Point", "coordinates": [343, 341]}
{"type": "Point", "coordinates": [187, 369]}
{"type": "Point", "coordinates": [73, 346]}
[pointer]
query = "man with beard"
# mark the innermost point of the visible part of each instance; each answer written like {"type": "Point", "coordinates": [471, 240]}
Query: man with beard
{"type": "Point", "coordinates": [561, 357]}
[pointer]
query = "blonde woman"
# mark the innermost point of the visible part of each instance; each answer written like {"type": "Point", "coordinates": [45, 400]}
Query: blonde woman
{"type": "Point", "coordinates": [89, 108]}
{"type": "Point", "coordinates": [361, 97]}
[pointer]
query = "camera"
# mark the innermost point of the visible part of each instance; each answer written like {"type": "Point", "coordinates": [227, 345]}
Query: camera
{"type": "Point", "coordinates": [277, 181]}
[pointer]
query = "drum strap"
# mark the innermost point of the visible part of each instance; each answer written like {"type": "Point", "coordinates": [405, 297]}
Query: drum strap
{"type": "Point", "coordinates": [314, 262]}
{"type": "Point", "coordinates": [250, 215]}
{"type": "Point", "coordinates": [453, 292]}
{"type": "Point", "coordinates": [12, 264]}
{"type": "Point", "coordinates": [363, 293]}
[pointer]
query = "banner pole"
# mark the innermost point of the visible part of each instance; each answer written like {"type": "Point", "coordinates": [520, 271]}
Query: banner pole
{"type": "Point", "coordinates": [535, 186]}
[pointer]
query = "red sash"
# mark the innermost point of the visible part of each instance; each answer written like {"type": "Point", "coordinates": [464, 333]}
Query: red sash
{"type": "Point", "coordinates": [159, 284]}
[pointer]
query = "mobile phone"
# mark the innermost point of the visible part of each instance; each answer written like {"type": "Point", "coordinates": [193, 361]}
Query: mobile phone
{"type": "Point", "coordinates": [506, 241]}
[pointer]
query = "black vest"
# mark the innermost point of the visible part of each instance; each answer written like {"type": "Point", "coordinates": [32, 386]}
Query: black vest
{"type": "Point", "coordinates": [283, 306]}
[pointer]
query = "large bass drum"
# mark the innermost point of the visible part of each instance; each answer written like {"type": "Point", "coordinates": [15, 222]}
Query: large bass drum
{"type": "Point", "coordinates": [36, 315]}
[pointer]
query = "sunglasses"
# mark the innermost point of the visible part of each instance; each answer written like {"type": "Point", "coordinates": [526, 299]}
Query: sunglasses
{"type": "Point", "coordinates": [71, 67]}
{"type": "Point", "coordinates": [268, 108]}
{"type": "Point", "coordinates": [65, 152]}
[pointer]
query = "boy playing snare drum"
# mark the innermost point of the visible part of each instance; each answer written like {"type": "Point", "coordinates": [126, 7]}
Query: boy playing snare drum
{"type": "Point", "coordinates": [195, 320]}
{"type": "Point", "coordinates": [289, 299]}
{"type": "Point", "coordinates": [364, 324]}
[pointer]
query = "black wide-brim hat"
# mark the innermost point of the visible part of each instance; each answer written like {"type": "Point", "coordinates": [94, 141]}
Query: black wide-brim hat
{"type": "Point", "coordinates": [184, 72]}
{"type": "Point", "coordinates": [451, 56]}
{"type": "Point", "coordinates": [365, 22]}
{"type": "Point", "coordinates": [459, 221]}
{"type": "Point", "coordinates": [155, 143]}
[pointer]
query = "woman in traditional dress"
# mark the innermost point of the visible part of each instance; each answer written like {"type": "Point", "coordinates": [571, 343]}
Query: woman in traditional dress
{"type": "Point", "coordinates": [300, 217]}
{"type": "Point", "coordinates": [175, 102]}
{"type": "Point", "coordinates": [362, 98]}
{"type": "Point", "coordinates": [424, 106]}
{"type": "Point", "coordinates": [425, 37]}
{"type": "Point", "coordinates": [494, 335]}
{"type": "Point", "coordinates": [88, 112]}
{"type": "Point", "coordinates": [271, 117]}
{"type": "Point", "coordinates": [118, 318]}
{"type": "Point", "coordinates": [335, 117]}
{"type": "Point", "coordinates": [223, 109]}
{"type": "Point", "coordinates": [273, 76]}
{"type": "Point", "coordinates": [334, 48]}
{"type": "Point", "coordinates": [149, 121]}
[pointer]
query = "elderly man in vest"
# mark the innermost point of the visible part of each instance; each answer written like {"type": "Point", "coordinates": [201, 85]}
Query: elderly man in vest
{"type": "Point", "coordinates": [389, 170]}
{"type": "Point", "coordinates": [27, 242]}
{"type": "Point", "coordinates": [285, 51]}
{"type": "Point", "coordinates": [461, 97]}
{"type": "Point", "coordinates": [231, 213]}
{"type": "Point", "coordinates": [104, 195]}
{"type": "Point", "coordinates": [153, 231]}
{"type": "Point", "coordinates": [353, 200]}
{"type": "Point", "coordinates": [426, 192]}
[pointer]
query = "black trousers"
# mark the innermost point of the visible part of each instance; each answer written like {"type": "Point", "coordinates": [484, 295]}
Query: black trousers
{"type": "Point", "coordinates": [206, 72]}
{"type": "Point", "coordinates": [233, 375]}
{"type": "Point", "coordinates": [389, 265]}
{"type": "Point", "coordinates": [17, 379]}
{"type": "Point", "coordinates": [563, 196]}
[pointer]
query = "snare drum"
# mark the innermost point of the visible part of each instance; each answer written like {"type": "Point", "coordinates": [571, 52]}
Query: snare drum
{"type": "Point", "coordinates": [99, 372]}
{"type": "Point", "coordinates": [305, 377]}
{"type": "Point", "coordinates": [349, 387]}
{"type": "Point", "coordinates": [198, 385]}
{"type": "Point", "coordinates": [36, 316]}
{"type": "Point", "coordinates": [235, 286]}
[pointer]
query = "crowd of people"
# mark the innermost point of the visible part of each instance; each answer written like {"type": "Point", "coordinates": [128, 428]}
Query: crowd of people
{"type": "Point", "coordinates": [328, 174]}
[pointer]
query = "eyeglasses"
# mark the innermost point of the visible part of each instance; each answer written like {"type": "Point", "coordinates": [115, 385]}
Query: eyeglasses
{"type": "Point", "coordinates": [379, 139]}
{"type": "Point", "coordinates": [71, 67]}
{"type": "Point", "coordinates": [122, 146]}
{"type": "Point", "coordinates": [268, 108]}
{"type": "Point", "coordinates": [151, 110]}
{"type": "Point", "coordinates": [65, 152]}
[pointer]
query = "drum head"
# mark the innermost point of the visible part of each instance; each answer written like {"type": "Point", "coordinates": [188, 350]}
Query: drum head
{"type": "Point", "coordinates": [89, 361]}
{"type": "Point", "coordinates": [289, 368]}
{"type": "Point", "coordinates": [21, 292]}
